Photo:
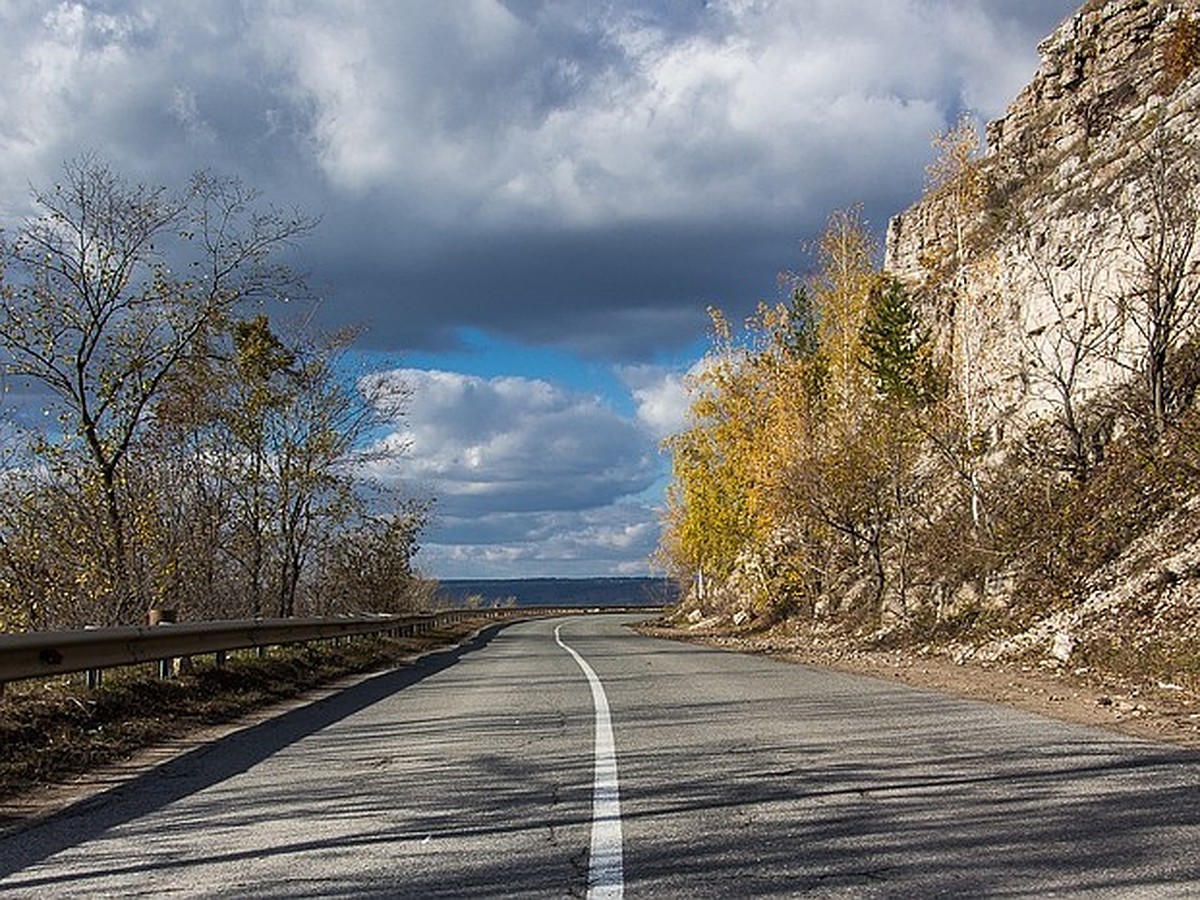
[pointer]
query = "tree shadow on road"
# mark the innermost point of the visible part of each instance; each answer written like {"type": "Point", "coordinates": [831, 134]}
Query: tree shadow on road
{"type": "Point", "coordinates": [212, 763]}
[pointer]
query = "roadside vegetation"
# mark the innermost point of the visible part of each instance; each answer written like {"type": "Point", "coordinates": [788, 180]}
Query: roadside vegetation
{"type": "Point", "coordinates": [843, 471]}
{"type": "Point", "coordinates": [167, 443]}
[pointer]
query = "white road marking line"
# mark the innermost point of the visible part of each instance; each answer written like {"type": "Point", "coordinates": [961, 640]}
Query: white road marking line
{"type": "Point", "coordinates": [606, 867]}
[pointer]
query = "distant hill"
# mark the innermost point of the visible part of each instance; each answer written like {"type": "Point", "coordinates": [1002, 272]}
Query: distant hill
{"type": "Point", "coordinates": [561, 591]}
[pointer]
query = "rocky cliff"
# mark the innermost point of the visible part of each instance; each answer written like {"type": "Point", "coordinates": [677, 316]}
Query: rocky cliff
{"type": "Point", "coordinates": [1056, 241]}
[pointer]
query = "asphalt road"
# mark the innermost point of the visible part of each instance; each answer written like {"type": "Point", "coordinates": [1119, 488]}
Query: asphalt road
{"type": "Point", "coordinates": [474, 774]}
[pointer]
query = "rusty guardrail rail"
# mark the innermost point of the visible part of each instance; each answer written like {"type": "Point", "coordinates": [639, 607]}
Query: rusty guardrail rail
{"type": "Point", "coordinates": [45, 653]}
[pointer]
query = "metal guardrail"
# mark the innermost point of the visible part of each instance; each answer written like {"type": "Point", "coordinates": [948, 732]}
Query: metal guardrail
{"type": "Point", "coordinates": [46, 653]}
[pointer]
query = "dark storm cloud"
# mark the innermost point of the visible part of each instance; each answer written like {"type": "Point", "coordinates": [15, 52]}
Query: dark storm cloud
{"type": "Point", "coordinates": [616, 292]}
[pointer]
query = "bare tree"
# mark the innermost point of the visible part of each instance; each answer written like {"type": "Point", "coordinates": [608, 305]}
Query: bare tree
{"type": "Point", "coordinates": [1160, 221]}
{"type": "Point", "coordinates": [1078, 334]}
{"type": "Point", "coordinates": [321, 442]}
{"type": "Point", "coordinates": [108, 289]}
{"type": "Point", "coordinates": [957, 179]}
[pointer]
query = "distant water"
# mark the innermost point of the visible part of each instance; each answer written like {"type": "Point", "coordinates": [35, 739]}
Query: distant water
{"type": "Point", "coordinates": [601, 592]}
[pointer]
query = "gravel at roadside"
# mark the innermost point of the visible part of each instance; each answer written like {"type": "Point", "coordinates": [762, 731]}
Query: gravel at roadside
{"type": "Point", "coordinates": [1160, 712]}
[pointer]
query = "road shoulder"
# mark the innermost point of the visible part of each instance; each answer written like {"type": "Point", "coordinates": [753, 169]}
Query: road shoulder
{"type": "Point", "coordinates": [1153, 712]}
{"type": "Point", "coordinates": [27, 809]}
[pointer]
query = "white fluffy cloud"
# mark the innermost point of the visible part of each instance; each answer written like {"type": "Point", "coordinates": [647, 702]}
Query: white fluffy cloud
{"type": "Point", "coordinates": [662, 396]}
{"type": "Point", "coordinates": [610, 540]}
{"type": "Point", "coordinates": [515, 444]}
{"type": "Point", "coordinates": [524, 472]}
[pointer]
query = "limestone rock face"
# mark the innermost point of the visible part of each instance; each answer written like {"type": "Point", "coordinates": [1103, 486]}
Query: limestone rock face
{"type": "Point", "coordinates": [1050, 260]}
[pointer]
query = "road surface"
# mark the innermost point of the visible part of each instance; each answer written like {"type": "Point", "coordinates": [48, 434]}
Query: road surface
{"type": "Point", "coordinates": [478, 773]}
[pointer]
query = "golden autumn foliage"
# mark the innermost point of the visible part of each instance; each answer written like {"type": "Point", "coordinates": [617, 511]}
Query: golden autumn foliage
{"type": "Point", "coordinates": [846, 464]}
{"type": "Point", "coordinates": [795, 464]}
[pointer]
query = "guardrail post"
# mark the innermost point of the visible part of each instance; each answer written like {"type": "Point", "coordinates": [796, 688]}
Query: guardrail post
{"type": "Point", "coordinates": [156, 617]}
{"type": "Point", "coordinates": [93, 678]}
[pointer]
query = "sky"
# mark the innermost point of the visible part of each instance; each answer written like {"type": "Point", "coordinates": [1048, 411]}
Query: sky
{"type": "Point", "coordinates": [526, 205]}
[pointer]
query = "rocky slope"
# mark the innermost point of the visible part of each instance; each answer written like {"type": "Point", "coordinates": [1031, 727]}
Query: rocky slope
{"type": "Point", "coordinates": [1043, 303]}
{"type": "Point", "coordinates": [1042, 269]}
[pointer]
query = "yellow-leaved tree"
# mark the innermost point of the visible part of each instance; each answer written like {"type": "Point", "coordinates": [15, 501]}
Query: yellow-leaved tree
{"type": "Point", "coordinates": [710, 517]}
